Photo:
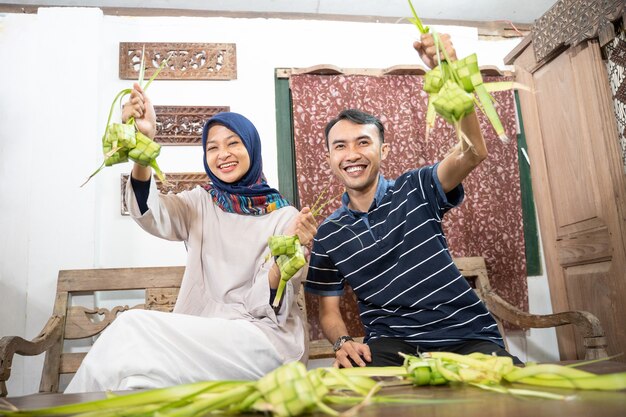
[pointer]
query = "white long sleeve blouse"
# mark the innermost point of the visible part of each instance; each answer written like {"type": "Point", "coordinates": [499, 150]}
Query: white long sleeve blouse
{"type": "Point", "coordinates": [226, 274]}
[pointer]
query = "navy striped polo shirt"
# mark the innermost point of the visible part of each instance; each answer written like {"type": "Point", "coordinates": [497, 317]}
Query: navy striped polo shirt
{"type": "Point", "coordinates": [396, 259]}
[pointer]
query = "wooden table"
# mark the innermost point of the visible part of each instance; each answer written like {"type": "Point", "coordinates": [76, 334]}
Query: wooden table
{"type": "Point", "coordinates": [473, 401]}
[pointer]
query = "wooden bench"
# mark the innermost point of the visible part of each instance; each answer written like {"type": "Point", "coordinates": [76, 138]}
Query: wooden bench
{"type": "Point", "coordinates": [161, 285]}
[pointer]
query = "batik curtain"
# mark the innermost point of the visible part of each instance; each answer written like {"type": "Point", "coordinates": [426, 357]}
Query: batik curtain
{"type": "Point", "coordinates": [489, 221]}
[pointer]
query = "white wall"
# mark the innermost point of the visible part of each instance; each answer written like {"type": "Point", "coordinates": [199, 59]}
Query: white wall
{"type": "Point", "coordinates": [57, 80]}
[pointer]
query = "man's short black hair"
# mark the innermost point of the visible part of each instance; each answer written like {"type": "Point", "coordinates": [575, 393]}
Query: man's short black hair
{"type": "Point", "coordinates": [358, 117]}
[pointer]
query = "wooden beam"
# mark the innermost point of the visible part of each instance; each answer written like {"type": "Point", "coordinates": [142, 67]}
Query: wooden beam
{"type": "Point", "coordinates": [327, 69]}
{"type": "Point", "coordinates": [485, 28]}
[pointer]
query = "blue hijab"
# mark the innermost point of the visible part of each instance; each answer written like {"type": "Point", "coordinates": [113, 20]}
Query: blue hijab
{"type": "Point", "coordinates": [250, 195]}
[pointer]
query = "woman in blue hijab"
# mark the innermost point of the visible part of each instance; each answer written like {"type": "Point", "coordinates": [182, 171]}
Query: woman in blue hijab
{"type": "Point", "coordinates": [249, 194]}
{"type": "Point", "coordinates": [223, 325]}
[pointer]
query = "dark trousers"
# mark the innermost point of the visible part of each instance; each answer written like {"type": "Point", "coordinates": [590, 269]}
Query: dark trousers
{"type": "Point", "coordinates": [385, 350]}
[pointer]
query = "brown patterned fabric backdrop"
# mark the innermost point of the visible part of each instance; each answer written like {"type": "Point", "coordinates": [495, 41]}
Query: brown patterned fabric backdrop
{"type": "Point", "coordinates": [489, 221]}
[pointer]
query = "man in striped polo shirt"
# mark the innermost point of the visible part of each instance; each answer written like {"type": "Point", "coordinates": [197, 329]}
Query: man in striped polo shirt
{"type": "Point", "coordinates": [387, 242]}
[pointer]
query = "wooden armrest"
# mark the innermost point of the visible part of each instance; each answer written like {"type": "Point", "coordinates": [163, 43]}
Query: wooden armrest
{"type": "Point", "coordinates": [10, 345]}
{"type": "Point", "coordinates": [588, 324]}
{"type": "Point", "coordinates": [322, 348]}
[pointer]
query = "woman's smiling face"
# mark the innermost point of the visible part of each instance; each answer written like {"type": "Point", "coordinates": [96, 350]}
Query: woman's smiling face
{"type": "Point", "coordinates": [226, 155]}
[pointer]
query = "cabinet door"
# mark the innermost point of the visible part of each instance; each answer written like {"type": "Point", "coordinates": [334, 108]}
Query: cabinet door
{"type": "Point", "coordinates": [579, 185]}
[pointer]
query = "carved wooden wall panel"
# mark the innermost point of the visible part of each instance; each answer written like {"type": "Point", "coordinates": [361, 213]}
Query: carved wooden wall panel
{"type": "Point", "coordinates": [182, 125]}
{"type": "Point", "coordinates": [188, 61]}
{"type": "Point", "coordinates": [177, 182]}
{"type": "Point", "coordinates": [616, 53]}
{"type": "Point", "coordinates": [570, 22]}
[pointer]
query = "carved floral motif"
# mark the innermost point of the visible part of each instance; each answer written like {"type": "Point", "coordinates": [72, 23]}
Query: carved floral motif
{"type": "Point", "coordinates": [616, 65]}
{"type": "Point", "coordinates": [187, 61]}
{"type": "Point", "coordinates": [182, 125]}
{"type": "Point", "coordinates": [570, 22]}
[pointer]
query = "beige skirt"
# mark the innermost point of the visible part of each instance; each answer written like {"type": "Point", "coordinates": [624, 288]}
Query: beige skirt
{"type": "Point", "coordinates": [151, 349]}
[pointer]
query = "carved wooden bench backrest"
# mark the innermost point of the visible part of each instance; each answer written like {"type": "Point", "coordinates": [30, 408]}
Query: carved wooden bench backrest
{"type": "Point", "coordinates": [161, 285]}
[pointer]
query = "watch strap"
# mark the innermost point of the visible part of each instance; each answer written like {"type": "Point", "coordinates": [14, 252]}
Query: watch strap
{"type": "Point", "coordinates": [340, 341]}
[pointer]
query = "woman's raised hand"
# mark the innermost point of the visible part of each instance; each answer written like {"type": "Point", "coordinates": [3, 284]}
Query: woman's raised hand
{"type": "Point", "coordinates": [140, 107]}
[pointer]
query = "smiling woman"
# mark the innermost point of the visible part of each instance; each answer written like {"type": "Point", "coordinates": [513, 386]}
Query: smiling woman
{"type": "Point", "coordinates": [223, 325]}
{"type": "Point", "coordinates": [226, 154]}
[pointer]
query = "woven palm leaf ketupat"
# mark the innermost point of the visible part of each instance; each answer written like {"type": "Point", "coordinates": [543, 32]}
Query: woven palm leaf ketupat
{"type": "Point", "coordinates": [291, 390]}
{"type": "Point", "coordinates": [289, 258]}
{"type": "Point", "coordinates": [122, 141]}
{"type": "Point", "coordinates": [453, 106]}
{"type": "Point", "coordinates": [289, 252]}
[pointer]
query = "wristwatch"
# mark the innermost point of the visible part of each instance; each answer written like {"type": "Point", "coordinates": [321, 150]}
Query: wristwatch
{"type": "Point", "coordinates": [339, 343]}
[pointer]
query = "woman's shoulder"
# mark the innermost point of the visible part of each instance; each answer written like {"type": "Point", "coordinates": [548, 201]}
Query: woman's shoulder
{"type": "Point", "coordinates": [198, 193]}
{"type": "Point", "coordinates": [197, 199]}
{"type": "Point", "coordinates": [287, 211]}
{"type": "Point", "coordinates": [281, 216]}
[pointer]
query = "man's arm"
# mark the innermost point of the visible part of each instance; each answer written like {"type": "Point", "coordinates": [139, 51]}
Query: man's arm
{"type": "Point", "coordinates": [458, 164]}
{"type": "Point", "coordinates": [334, 327]}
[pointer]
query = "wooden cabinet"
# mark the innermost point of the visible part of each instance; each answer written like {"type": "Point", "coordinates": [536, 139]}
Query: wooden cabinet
{"type": "Point", "coordinates": [577, 167]}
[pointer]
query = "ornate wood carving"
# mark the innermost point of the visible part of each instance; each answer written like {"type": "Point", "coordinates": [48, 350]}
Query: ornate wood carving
{"type": "Point", "coordinates": [182, 125]}
{"type": "Point", "coordinates": [50, 336]}
{"type": "Point", "coordinates": [177, 182]}
{"type": "Point", "coordinates": [84, 322]}
{"type": "Point", "coordinates": [616, 53]}
{"type": "Point", "coordinates": [188, 61]}
{"type": "Point", "coordinates": [570, 22]}
{"type": "Point", "coordinates": [161, 299]}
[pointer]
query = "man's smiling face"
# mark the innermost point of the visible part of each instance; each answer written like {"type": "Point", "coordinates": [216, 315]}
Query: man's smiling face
{"type": "Point", "coordinates": [354, 154]}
